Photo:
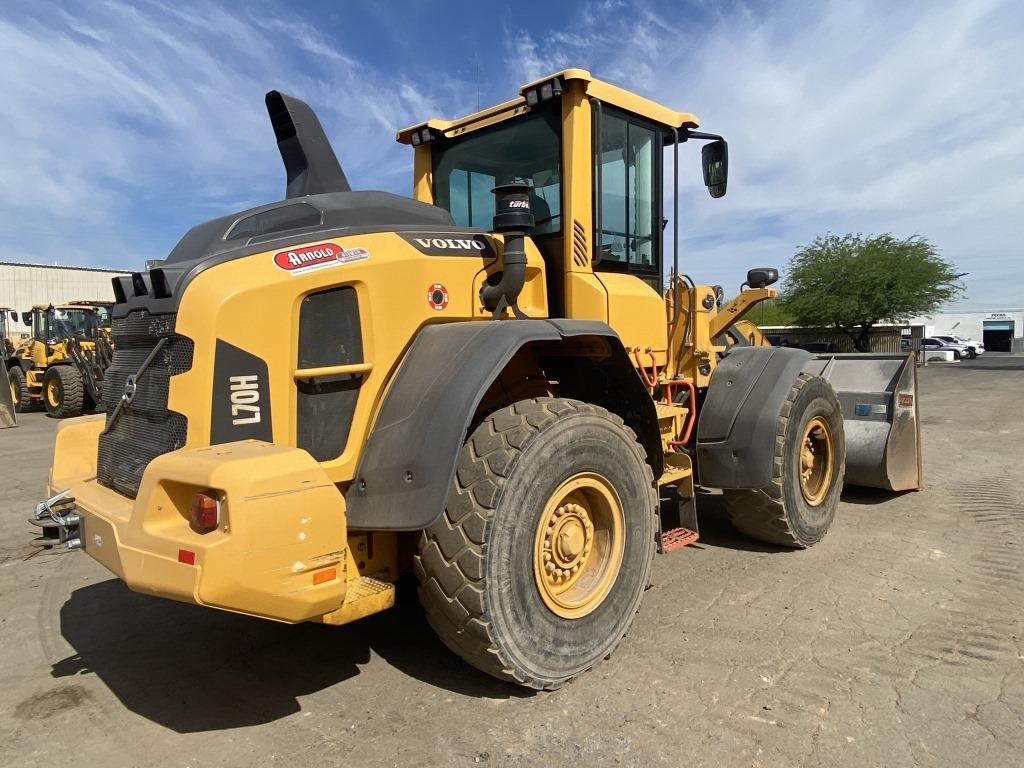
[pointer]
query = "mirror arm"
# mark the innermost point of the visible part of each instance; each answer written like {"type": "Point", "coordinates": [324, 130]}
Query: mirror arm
{"type": "Point", "coordinates": [688, 134]}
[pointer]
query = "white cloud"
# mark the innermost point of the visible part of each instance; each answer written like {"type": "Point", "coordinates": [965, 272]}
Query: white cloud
{"type": "Point", "coordinates": [123, 125]}
{"type": "Point", "coordinates": [865, 117]}
{"type": "Point", "coordinates": [120, 120]}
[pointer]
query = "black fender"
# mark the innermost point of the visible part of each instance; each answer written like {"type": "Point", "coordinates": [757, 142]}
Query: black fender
{"type": "Point", "coordinates": [407, 466]}
{"type": "Point", "coordinates": [737, 421]}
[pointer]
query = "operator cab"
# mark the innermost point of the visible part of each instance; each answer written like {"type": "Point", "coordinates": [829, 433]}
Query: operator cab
{"type": "Point", "coordinates": [594, 157]}
{"type": "Point", "coordinates": [52, 324]}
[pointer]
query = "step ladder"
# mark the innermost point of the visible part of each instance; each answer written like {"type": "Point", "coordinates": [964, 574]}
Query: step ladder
{"type": "Point", "coordinates": [678, 514]}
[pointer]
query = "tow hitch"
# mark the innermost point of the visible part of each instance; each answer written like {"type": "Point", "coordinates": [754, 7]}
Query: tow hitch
{"type": "Point", "coordinates": [60, 522]}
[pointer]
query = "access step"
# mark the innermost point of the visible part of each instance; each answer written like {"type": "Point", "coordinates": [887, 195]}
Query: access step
{"type": "Point", "coordinates": [364, 596]}
{"type": "Point", "coordinates": [678, 471]}
{"type": "Point", "coordinates": [678, 509]}
{"type": "Point", "coordinates": [676, 538]}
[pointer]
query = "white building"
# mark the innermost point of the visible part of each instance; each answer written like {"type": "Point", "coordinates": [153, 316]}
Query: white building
{"type": "Point", "coordinates": [23, 285]}
{"type": "Point", "coordinates": [999, 331]}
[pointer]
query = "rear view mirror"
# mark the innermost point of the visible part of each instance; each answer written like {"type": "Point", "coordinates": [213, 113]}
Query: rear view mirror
{"type": "Point", "coordinates": [14, 316]}
{"type": "Point", "coordinates": [26, 318]}
{"type": "Point", "coordinates": [715, 158]}
{"type": "Point", "coordinates": [762, 277]}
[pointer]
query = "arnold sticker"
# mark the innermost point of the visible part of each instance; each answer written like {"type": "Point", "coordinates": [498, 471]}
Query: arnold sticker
{"type": "Point", "coordinates": [312, 257]}
{"type": "Point", "coordinates": [450, 243]}
{"type": "Point", "coordinates": [437, 297]}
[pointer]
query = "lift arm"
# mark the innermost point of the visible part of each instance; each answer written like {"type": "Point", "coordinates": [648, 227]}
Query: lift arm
{"type": "Point", "coordinates": [735, 309]}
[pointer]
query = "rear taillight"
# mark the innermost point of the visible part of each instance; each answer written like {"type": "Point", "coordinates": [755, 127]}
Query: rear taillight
{"type": "Point", "coordinates": [204, 511]}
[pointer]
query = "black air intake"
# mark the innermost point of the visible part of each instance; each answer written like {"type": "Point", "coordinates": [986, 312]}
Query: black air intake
{"type": "Point", "coordinates": [514, 218]}
{"type": "Point", "coordinates": [310, 163]}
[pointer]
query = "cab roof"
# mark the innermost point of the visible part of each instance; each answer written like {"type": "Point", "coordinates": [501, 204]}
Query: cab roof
{"type": "Point", "coordinates": [73, 305]}
{"type": "Point", "coordinates": [598, 89]}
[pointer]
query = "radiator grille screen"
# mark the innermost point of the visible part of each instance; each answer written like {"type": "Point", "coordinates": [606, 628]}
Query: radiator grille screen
{"type": "Point", "coordinates": [145, 429]}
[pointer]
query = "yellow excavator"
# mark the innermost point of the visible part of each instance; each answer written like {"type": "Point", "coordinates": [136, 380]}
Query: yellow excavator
{"type": "Point", "coordinates": [488, 385]}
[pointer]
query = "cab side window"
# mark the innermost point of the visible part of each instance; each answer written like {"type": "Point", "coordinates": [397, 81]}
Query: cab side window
{"type": "Point", "coordinates": [627, 198]}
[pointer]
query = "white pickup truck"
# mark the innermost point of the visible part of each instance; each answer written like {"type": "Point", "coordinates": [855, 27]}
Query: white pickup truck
{"type": "Point", "coordinates": [974, 348]}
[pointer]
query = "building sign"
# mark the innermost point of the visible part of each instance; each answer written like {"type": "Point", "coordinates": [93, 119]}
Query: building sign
{"type": "Point", "coordinates": [997, 316]}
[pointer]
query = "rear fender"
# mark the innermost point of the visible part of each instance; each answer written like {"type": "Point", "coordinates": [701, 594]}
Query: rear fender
{"type": "Point", "coordinates": [407, 466]}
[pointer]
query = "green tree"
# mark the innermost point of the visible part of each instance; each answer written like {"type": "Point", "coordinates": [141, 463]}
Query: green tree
{"type": "Point", "coordinates": [853, 283]}
{"type": "Point", "coordinates": [767, 313]}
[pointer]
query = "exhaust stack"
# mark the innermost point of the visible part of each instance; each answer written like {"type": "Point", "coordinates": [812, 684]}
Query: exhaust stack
{"type": "Point", "coordinates": [309, 161]}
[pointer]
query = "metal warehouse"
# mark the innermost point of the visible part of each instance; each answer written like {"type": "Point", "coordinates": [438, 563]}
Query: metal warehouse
{"type": "Point", "coordinates": [22, 285]}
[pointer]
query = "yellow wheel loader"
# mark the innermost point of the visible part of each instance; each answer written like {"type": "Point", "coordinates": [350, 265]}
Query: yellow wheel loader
{"type": "Point", "coordinates": [8, 318]}
{"type": "Point", "coordinates": [60, 366]}
{"type": "Point", "coordinates": [8, 391]}
{"type": "Point", "coordinates": [486, 384]}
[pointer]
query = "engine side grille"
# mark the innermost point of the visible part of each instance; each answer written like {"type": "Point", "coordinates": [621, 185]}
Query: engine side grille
{"type": "Point", "coordinates": [146, 428]}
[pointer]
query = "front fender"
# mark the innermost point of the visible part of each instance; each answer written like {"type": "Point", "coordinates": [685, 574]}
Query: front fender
{"type": "Point", "coordinates": [737, 421]}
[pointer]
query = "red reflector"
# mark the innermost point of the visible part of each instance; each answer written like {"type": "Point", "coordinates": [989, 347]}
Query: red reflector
{"type": "Point", "coordinates": [186, 556]}
{"type": "Point", "coordinates": [327, 574]}
{"type": "Point", "coordinates": [204, 511]}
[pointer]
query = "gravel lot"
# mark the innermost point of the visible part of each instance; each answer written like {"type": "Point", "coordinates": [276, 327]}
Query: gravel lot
{"type": "Point", "coordinates": [898, 641]}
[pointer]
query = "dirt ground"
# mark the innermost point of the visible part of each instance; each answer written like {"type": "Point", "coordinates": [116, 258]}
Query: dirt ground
{"type": "Point", "coordinates": [897, 641]}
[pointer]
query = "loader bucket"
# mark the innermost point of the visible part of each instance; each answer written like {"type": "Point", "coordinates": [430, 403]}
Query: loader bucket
{"type": "Point", "coordinates": [878, 396]}
{"type": "Point", "coordinates": [7, 415]}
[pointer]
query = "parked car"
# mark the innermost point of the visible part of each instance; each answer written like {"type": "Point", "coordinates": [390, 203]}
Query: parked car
{"type": "Point", "coordinates": [974, 348]}
{"type": "Point", "coordinates": [933, 343]}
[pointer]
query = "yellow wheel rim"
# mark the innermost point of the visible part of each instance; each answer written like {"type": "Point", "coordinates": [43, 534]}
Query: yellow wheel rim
{"type": "Point", "coordinates": [52, 393]}
{"type": "Point", "coordinates": [816, 461]}
{"type": "Point", "coordinates": [578, 545]}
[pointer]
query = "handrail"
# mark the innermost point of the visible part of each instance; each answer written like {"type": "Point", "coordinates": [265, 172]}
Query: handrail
{"type": "Point", "coordinates": [599, 174]}
{"type": "Point", "coordinates": [351, 369]}
{"type": "Point", "coordinates": [675, 231]}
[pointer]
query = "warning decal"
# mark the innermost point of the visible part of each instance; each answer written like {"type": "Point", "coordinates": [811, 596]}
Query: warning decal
{"type": "Point", "coordinates": [437, 296]}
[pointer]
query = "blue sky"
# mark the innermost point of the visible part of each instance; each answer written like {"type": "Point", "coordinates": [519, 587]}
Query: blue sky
{"type": "Point", "coordinates": [125, 124]}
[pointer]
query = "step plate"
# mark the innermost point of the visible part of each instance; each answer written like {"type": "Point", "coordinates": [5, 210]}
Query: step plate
{"type": "Point", "coordinates": [676, 538]}
{"type": "Point", "coordinates": [364, 596]}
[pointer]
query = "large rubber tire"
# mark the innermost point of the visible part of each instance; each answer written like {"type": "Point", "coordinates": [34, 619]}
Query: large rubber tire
{"type": "Point", "coordinates": [63, 392]}
{"type": "Point", "coordinates": [476, 564]}
{"type": "Point", "coordinates": [779, 513]}
{"type": "Point", "coordinates": [23, 403]}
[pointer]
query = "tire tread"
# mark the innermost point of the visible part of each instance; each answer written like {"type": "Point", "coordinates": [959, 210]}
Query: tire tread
{"type": "Point", "coordinates": [73, 392]}
{"type": "Point", "coordinates": [760, 512]}
{"type": "Point", "coordinates": [452, 552]}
